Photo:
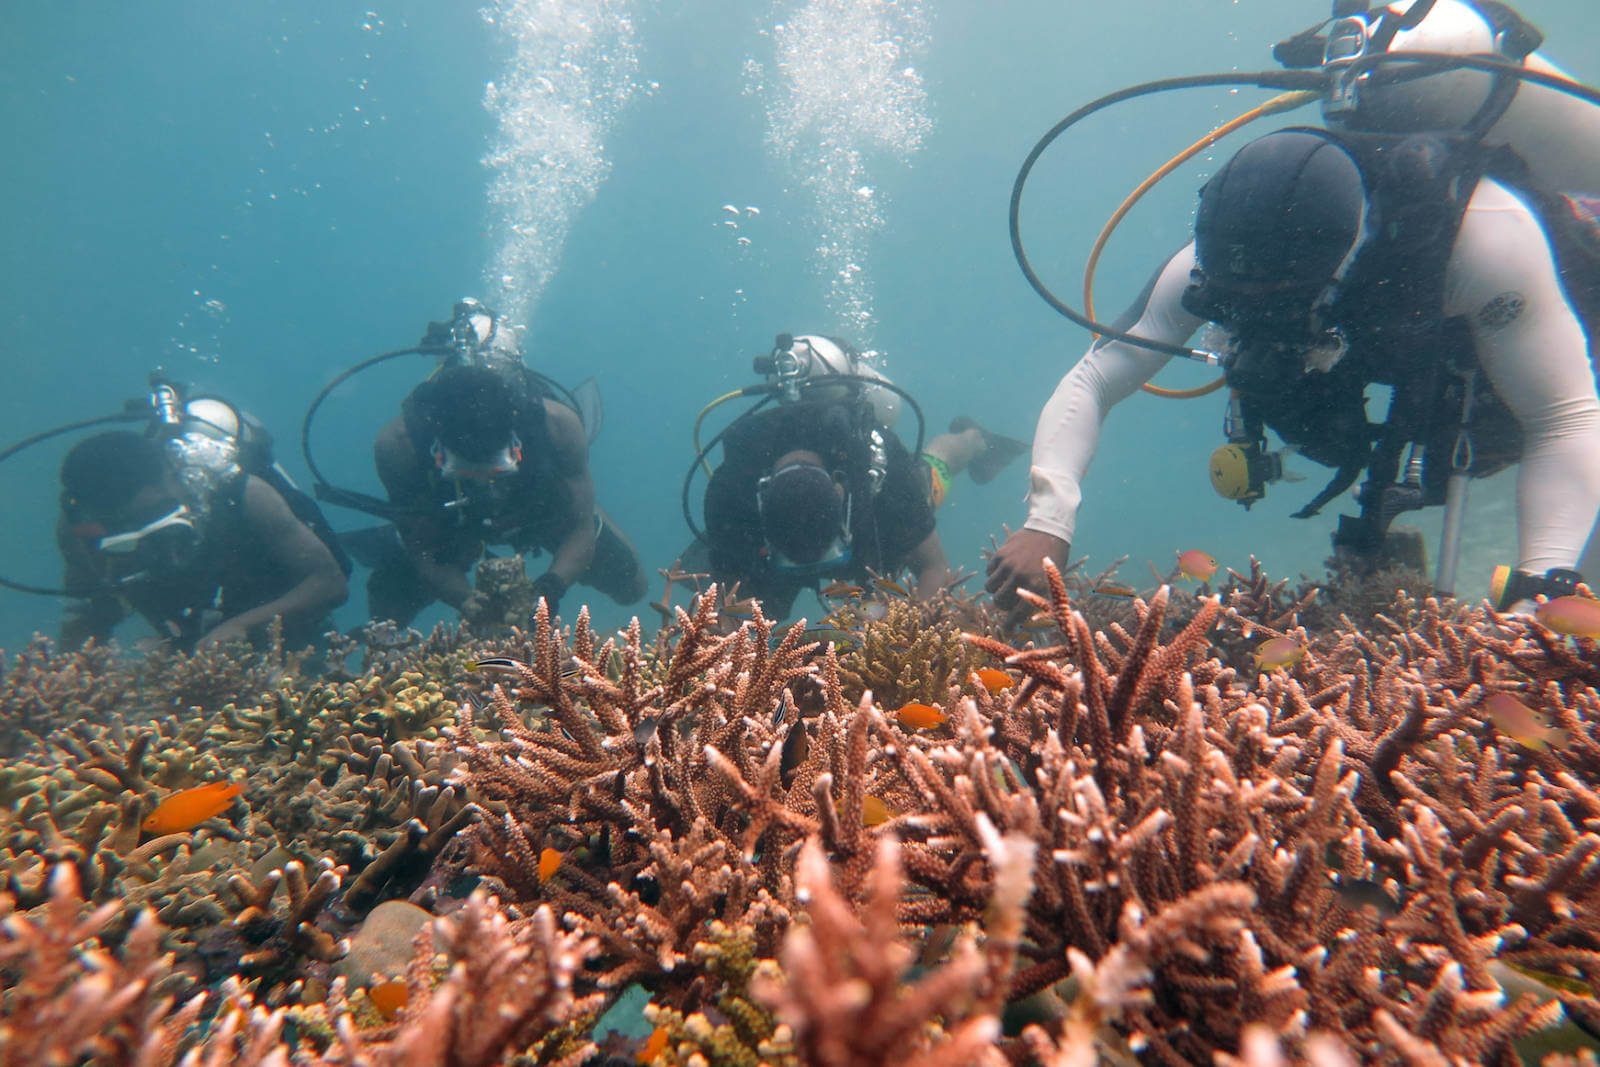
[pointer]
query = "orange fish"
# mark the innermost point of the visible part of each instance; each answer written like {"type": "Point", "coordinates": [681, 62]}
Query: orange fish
{"type": "Point", "coordinates": [874, 812]}
{"type": "Point", "coordinates": [920, 716]}
{"type": "Point", "coordinates": [1278, 652]}
{"type": "Point", "coordinates": [389, 997]}
{"type": "Point", "coordinates": [1575, 616]}
{"type": "Point", "coordinates": [549, 864]}
{"type": "Point", "coordinates": [1197, 565]}
{"type": "Point", "coordinates": [994, 681]}
{"type": "Point", "coordinates": [1528, 728]}
{"type": "Point", "coordinates": [188, 808]}
{"type": "Point", "coordinates": [653, 1046]}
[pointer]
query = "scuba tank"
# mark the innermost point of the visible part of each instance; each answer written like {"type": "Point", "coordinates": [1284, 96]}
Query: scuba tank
{"type": "Point", "coordinates": [1556, 134]}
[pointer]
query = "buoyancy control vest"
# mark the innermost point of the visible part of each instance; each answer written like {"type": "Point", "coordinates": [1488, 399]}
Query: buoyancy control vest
{"type": "Point", "coordinates": [1389, 309]}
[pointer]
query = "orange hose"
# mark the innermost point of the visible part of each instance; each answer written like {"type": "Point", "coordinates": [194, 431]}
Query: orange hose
{"type": "Point", "coordinates": [1280, 103]}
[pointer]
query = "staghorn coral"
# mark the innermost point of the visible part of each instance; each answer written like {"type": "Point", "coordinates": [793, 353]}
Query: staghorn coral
{"type": "Point", "coordinates": [1351, 851]}
{"type": "Point", "coordinates": [914, 652]}
{"type": "Point", "coordinates": [620, 775]}
{"type": "Point", "coordinates": [845, 993]}
{"type": "Point", "coordinates": [483, 989]}
{"type": "Point", "coordinates": [43, 689]}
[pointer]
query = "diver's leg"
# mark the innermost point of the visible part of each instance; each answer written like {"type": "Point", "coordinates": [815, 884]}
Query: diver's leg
{"type": "Point", "coordinates": [615, 570]}
{"type": "Point", "coordinates": [969, 446]}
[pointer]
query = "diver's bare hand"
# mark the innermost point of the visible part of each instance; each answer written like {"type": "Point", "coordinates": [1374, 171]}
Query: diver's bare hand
{"type": "Point", "coordinates": [1019, 564]}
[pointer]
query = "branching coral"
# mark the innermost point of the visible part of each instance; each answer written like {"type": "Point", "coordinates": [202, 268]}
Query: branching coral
{"type": "Point", "coordinates": [1358, 850]}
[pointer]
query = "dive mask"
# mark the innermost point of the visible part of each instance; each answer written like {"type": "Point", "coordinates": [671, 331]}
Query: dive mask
{"type": "Point", "coordinates": [164, 543]}
{"type": "Point", "coordinates": [453, 465]}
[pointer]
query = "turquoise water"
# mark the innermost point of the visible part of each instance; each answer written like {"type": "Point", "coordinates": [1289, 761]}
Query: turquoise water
{"type": "Point", "coordinates": [254, 196]}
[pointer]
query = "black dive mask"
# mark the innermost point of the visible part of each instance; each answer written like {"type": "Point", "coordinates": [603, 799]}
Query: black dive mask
{"type": "Point", "coordinates": [166, 545]}
{"type": "Point", "coordinates": [1277, 334]}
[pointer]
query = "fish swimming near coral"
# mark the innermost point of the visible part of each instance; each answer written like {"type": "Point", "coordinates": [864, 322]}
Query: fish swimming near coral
{"type": "Point", "coordinates": [994, 681]}
{"type": "Point", "coordinates": [1362, 893]}
{"type": "Point", "coordinates": [1529, 728]}
{"type": "Point", "coordinates": [188, 808]}
{"type": "Point", "coordinates": [892, 587]}
{"type": "Point", "coordinates": [874, 812]}
{"type": "Point", "coordinates": [920, 716]}
{"type": "Point", "coordinates": [1115, 591]}
{"type": "Point", "coordinates": [1197, 565]}
{"type": "Point", "coordinates": [842, 591]}
{"type": "Point", "coordinates": [1574, 616]}
{"type": "Point", "coordinates": [549, 863]}
{"type": "Point", "coordinates": [1278, 652]}
{"type": "Point", "coordinates": [389, 997]}
{"type": "Point", "coordinates": [513, 668]}
{"type": "Point", "coordinates": [653, 1046]}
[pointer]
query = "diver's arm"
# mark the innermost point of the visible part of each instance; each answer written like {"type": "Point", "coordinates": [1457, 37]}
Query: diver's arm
{"type": "Point", "coordinates": [291, 548]}
{"type": "Point", "coordinates": [94, 616]}
{"type": "Point", "coordinates": [1069, 427]}
{"type": "Point", "coordinates": [1503, 278]}
{"type": "Point", "coordinates": [931, 565]}
{"type": "Point", "coordinates": [1069, 430]}
{"type": "Point", "coordinates": [416, 518]}
{"type": "Point", "coordinates": [571, 447]}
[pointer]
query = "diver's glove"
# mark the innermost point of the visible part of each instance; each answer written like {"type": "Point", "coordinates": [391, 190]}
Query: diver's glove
{"type": "Point", "coordinates": [1522, 586]}
{"type": "Point", "coordinates": [551, 586]}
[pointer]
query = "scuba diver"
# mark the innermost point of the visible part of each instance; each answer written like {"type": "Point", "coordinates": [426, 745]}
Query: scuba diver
{"type": "Point", "coordinates": [483, 453]}
{"type": "Point", "coordinates": [193, 526]}
{"type": "Point", "coordinates": [1448, 264]}
{"type": "Point", "coordinates": [819, 488]}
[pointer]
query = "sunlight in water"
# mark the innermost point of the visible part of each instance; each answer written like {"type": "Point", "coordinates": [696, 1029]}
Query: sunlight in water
{"type": "Point", "coordinates": [572, 66]}
{"type": "Point", "coordinates": [847, 98]}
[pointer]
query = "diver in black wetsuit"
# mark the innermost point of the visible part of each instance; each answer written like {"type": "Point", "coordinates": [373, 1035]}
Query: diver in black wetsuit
{"type": "Point", "coordinates": [482, 455]}
{"type": "Point", "coordinates": [188, 532]}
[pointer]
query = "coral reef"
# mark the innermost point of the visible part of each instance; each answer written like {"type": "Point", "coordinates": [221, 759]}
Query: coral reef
{"type": "Point", "coordinates": [1143, 841]}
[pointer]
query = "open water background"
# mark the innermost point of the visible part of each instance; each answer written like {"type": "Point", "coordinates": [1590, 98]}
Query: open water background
{"type": "Point", "coordinates": [254, 196]}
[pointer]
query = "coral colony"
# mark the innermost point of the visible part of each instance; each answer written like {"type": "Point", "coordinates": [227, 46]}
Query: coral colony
{"type": "Point", "coordinates": [1252, 826]}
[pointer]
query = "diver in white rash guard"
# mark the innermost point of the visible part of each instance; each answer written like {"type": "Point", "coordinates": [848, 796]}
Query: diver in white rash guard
{"type": "Point", "coordinates": [1337, 261]}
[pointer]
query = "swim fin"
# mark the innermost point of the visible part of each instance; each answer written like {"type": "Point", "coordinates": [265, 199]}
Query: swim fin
{"type": "Point", "coordinates": [998, 450]}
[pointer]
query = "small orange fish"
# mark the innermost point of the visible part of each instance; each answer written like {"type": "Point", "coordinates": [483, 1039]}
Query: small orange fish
{"type": "Point", "coordinates": [994, 681]}
{"type": "Point", "coordinates": [1527, 727]}
{"type": "Point", "coordinates": [874, 812]}
{"type": "Point", "coordinates": [653, 1046]}
{"type": "Point", "coordinates": [1116, 590]}
{"type": "Point", "coordinates": [920, 716]}
{"type": "Point", "coordinates": [389, 997]}
{"type": "Point", "coordinates": [549, 863]}
{"type": "Point", "coordinates": [1278, 652]}
{"type": "Point", "coordinates": [1197, 565]}
{"type": "Point", "coordinates": [188, 808]}
{"type": "Point", "coordinates": [841, 590]}
{"type": "Point", "coordinates": [1575, 616]}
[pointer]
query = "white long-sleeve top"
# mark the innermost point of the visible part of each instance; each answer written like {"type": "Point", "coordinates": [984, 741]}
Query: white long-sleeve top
{"type": "Point", "coordinates": [1501, 278]}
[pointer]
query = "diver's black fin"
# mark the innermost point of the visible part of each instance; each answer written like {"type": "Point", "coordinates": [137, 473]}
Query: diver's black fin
{"type": "Point", "coordinates": [590, 410]}
{"type": "Point", "coordinates": [372, 546]}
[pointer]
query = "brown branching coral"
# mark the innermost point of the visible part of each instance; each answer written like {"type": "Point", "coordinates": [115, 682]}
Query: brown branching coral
{"type": "Point", "coordinates": [911, 652]}
{"type": "Point", "coordinates": [1169, 851]}
{"type": "Point", "coordinates": [845, 993]}
{"type": "Point", "coordinates": [483, 988]}
{"type": "Point", "coordinates": [43, 689]}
